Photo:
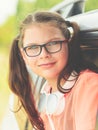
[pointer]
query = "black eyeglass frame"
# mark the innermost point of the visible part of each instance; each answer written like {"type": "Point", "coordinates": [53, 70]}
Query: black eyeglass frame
{"type": "Point", "coordinates": [44, 45]}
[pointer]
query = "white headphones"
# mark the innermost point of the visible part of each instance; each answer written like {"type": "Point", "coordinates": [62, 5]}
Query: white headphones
{"type": "Point", "coordinates": [51, 103]}
{"type": "Point", "coordinates": [71, 32]}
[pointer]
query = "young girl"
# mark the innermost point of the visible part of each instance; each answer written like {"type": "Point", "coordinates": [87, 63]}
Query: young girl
{"type": "Point", "coordinates": [68, 98]}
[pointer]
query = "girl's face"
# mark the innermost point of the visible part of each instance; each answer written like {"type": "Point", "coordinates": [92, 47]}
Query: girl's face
{"type": "Point", "coordinates": [47, 65]}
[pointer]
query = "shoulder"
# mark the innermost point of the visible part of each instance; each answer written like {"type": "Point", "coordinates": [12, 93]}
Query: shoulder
{"type": "Point", "coordinates": [88, 78]}
{"type": "Point", "coordinates": [88, 73]}
{"type": "Point", "coordinates": [86, 87]}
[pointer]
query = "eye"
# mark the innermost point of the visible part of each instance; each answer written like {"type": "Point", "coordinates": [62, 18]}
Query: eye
{"type": "Point", "coordinates": [52, 43]}
{"type": "Point", "coordinates": [33, 47]}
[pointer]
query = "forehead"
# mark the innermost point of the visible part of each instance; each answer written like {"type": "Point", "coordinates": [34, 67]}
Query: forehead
{"type": "Point", "coordinates": [38, 33]}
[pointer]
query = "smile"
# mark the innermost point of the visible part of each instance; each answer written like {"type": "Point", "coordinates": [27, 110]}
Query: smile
{"type": "Point", "coordinates": [47, 65]}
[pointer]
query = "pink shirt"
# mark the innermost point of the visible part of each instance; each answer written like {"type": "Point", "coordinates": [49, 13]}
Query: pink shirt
{"type": "Point", "coordinates": [81, 106]}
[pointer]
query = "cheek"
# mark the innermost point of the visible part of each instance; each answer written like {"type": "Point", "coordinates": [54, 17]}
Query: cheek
{"type": "Point", "coordinates": [64, 59]}
{"type": "Point", "coordinates": [64, 55]}
{"type": "Point", "coordinates": [31, 62]}
{"type": "Point", "coordinates": [33, 65]}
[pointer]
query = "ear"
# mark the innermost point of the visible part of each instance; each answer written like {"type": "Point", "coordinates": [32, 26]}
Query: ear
{"type": "Point", "coordinates": [23, 54]}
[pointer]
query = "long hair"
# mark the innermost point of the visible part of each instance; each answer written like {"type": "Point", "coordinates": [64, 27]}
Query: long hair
{"type": "Point", "coordinates": [20, 84]}
{"type": "Point", "coordinates": [19, 79]}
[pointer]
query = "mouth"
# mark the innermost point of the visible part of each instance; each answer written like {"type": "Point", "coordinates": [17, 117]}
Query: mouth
{"type": "Point", "coordinates": [47, 65]}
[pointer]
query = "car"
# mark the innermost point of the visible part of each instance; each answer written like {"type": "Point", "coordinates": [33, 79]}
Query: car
{"type": "Point", "coordinates": [88, 34]}
{"type": "Point", "coordinates": [69, 8]}
{"type": "Point", "coordinates": [73, 10]}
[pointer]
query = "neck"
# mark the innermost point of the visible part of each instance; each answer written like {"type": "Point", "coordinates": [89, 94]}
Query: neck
{"type": "Point", "coordinates": [53, 84]}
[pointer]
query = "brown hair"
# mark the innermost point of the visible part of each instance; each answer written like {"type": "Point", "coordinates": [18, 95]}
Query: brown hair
{"type": "Point", "coordinates": [19, 79]}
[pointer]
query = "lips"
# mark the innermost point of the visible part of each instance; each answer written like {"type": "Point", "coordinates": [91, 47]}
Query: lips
{"type": "Point", "coordinates": [47, 65]}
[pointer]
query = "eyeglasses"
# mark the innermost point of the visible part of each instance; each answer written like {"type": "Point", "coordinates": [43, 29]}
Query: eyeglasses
{"type": "Point", "coordinates": [50, 47]}
{"type": "Point", "coordinates": [52, 103]}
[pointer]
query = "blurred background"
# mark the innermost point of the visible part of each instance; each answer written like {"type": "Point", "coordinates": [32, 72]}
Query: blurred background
{"type": "Point", "coordinates": [12, 12]}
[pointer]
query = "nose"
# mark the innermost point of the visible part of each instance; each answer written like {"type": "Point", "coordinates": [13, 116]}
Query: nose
{"type": "Point", "coordinates": [44, 53]}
